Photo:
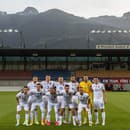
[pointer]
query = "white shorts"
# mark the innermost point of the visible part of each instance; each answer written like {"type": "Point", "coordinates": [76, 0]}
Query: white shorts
{"type": "Point", "coordinates": [81, 106]}
{"type": "Point", "coordinates": [31, 100]}
{"type": "Point", "coordinates": [20, 106]}
{"type": "Point", "coordinates": [45, 100]}
{"type": "Point", "coordinates": [55, 105]}
{"type": "Point", "coordinates": [69, 105]}
{"type": "Point", "coordinates": [98, 104]}
{"type": "Point", "coordinates": [60, 100]}
{"type": "Point", "coordinates": [35, 105]}
{"type": "Point", "coordinates": [75, 101]}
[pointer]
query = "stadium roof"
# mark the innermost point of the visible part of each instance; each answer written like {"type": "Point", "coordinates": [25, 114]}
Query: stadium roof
{"type": "Point", "coordinates": [64, 52]}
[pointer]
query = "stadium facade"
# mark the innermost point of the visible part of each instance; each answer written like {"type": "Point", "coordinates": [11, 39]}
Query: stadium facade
{"type": "Point", "coordinates": [69, 59]}
{"type": "Point", "coordinates": [112, 66]}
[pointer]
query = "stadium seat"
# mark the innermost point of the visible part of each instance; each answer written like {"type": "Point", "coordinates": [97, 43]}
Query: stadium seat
{"type": "Point", "coordinates": [104, 73]}
{"type": "Point", "coordinates": [54, 74]}
{"type": "Point", "coordinates": [15, 75]}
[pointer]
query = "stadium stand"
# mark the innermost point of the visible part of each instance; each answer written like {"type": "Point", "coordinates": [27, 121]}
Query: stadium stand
{"type": "Point", "coordinates": [54, 74]}
{"type": "Point", "coordinates": [104, 73]}
{"type": "Point", "coordinates": [15, 75]}
{"type": "Point", "coordinates": [14, 80]}
{"type": "Point", "coordinates": [113, 79]}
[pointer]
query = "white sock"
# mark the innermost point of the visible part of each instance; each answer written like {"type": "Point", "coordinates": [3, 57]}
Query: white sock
{"type": "Point", "coordinates": [79, 116]}
{"type": "Point", "coordinates": [96, 116]}
{"type": "Point", "coordinates": [26, 118]}
{"type": "Point", "coordinates": [43, 116]}
{"type": "Point", "coordinates": [89, 116]}
{"type": "Point", "coordinates": [61, 117]}
{"type": "Point", "coordinates": [18, 118]}
{"type": "Point", "coordinates": [103, 117]}
{"type": "Point", "coordinates": [48, 116]}
{"type": "Point", "coordinates": [74, 118]}
{"type": "Point", "coordinates": [56, 116]}
{"type": "Point", "coordinates": [36, 115]}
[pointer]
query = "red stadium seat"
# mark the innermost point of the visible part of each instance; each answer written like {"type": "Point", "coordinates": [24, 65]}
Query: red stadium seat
{"type": "Point", "coordinates": [14, 75]}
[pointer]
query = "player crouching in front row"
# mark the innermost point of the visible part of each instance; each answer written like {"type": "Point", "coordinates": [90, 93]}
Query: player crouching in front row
{"type": "Point", "coordinates": [84, 104]}
{"type": "Point", "coordinates": [22, 102]}
{"type": "Point", "coordinates": [52, 102]}
{"type": "Point", "coordinates": [67, 102]}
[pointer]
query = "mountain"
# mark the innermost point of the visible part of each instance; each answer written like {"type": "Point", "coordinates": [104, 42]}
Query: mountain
{"type": "Point", "coordinates": [119, 22]}
{"type": "Point", "coordinates": [57, 29]}
{"type": "Point", "coordinates": [29, 11]}
{"type": "Point", "coordinates": [3, 13]}
{"type": "Point", "coordinates": [126, 15]}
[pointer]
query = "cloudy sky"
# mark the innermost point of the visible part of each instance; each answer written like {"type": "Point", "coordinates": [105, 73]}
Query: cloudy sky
{"type": "Point", "coordinates": [85, 8]}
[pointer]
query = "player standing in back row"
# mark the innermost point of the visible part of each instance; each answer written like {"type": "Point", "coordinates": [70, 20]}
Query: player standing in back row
{"type": "Point", "coordinates": [38, 102]}
{"type": "Point", "coordinates": [74, 87]}
{"type": "Point", "coordinates": [46, 84]}
{"type": "Point", "coordinates": [86, 84]}
{"type": "Point", "coordinates": [99, 96]}
{"type": "Point", "coordinates": [59, 88]}
{"type": "Point", "coordinates": [32, 85]}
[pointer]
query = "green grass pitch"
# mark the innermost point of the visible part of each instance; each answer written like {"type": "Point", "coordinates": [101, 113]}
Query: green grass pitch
{"type": "Point", "coordinates": [117, 114]}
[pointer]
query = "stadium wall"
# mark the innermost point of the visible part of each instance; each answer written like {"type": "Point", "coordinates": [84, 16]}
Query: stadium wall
{"type": "Point", "coordinates": [12, 85]}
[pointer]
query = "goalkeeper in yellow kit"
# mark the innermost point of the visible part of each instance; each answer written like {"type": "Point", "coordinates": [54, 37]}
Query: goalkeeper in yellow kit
{"type": "Point", "coordinates": [86, 84]}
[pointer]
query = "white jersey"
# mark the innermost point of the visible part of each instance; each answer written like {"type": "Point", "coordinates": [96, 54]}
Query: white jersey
{"type": "Point", "coordinates": [37, 95]}
{"type": "Point", "coordinates": [67, 96]}
{"type": "Point", "coordinates": [23, 98]}
{"type": "Point", "coordinates": [59, 87]}
{"type": "Point", "coordinates": [47, 85]}
{"type": "Point", "coordinates": [31, 85]}
{"type": "Point", "coordinates": [83, 98]}
{"type": "Point", "coordinates": [52, 98]}
{"type": "Point", "coordinates": [74, 86]}
{"type": "Point", "coordinates": [98, 91]}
